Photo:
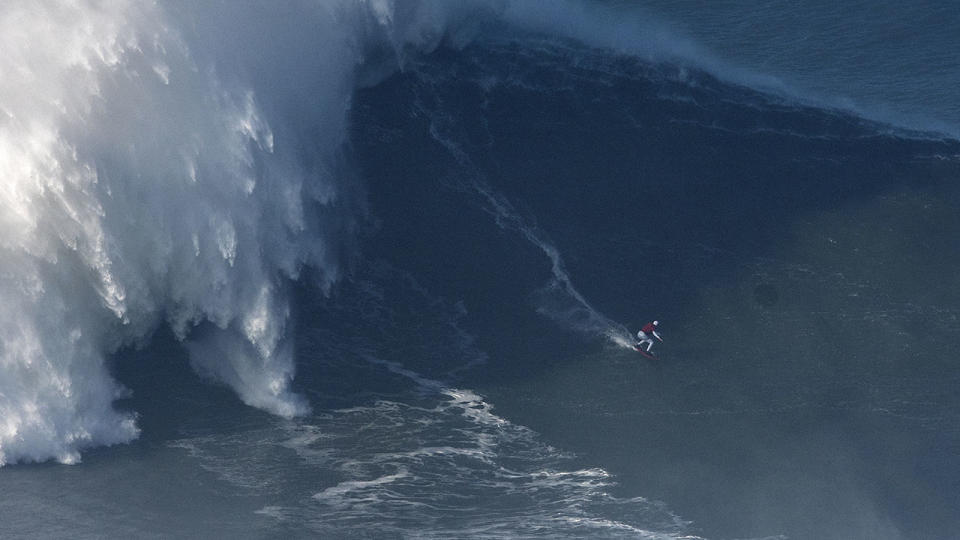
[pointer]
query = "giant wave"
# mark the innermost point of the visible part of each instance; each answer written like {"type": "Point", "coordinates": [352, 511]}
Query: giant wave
{"type": "Point", "coordinates": [174, 164]}
{"type": "Point", "coordinates": [169, 163]}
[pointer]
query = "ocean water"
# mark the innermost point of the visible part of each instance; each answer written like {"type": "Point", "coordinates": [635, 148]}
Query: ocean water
{"type": "Point", "coordinates": [371, 269]}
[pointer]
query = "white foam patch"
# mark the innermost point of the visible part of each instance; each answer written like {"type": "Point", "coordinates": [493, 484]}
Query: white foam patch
{"type": "Point", "coordinates": [338, 491]}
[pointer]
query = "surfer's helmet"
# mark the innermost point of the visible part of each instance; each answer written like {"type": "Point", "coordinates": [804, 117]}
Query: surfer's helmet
{"type": "Point", "coordinates": [656, 323]}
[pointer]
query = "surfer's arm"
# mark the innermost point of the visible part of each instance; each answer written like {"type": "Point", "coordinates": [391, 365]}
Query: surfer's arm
{"type": "Point", "coordinates": [657, 336]}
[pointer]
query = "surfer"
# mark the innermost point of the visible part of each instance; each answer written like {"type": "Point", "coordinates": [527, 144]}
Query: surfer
{"type": "Point", "coordinates": [647, 333]}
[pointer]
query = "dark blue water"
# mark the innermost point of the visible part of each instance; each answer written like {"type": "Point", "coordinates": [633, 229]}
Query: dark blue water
{"type": "Point", "coordinates": [527, 201]}
{"type": "Point", "coordinates": [790, 249]}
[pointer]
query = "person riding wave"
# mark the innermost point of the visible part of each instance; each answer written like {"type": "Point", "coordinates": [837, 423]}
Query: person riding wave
{"type": "Point", "coordinates": [647, 333]}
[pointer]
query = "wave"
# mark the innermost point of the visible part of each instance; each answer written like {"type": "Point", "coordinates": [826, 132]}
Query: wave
{"type": "Point", "coordinates": [178, 164]}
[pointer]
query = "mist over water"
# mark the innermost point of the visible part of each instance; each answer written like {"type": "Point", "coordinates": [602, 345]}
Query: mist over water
{"type": "Point", "coordinates": [372, 269]}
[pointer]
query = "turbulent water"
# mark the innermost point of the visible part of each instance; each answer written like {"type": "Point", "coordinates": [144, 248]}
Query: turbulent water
{"type": "Point", "coordinates": [370, 269]}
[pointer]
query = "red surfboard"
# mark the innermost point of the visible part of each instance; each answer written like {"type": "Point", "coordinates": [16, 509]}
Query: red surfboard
{"type": "Point", "coordinates": [643, 351]}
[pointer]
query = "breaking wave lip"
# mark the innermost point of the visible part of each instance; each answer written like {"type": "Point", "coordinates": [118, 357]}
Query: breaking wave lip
{"type": "Point", "coordinates": [137, 187]}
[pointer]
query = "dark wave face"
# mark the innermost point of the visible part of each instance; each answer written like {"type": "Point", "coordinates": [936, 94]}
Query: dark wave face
{"type": "Point", "coordinates": [375, 270]}
{"type": "Point", "coordinates": [800, 258]}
